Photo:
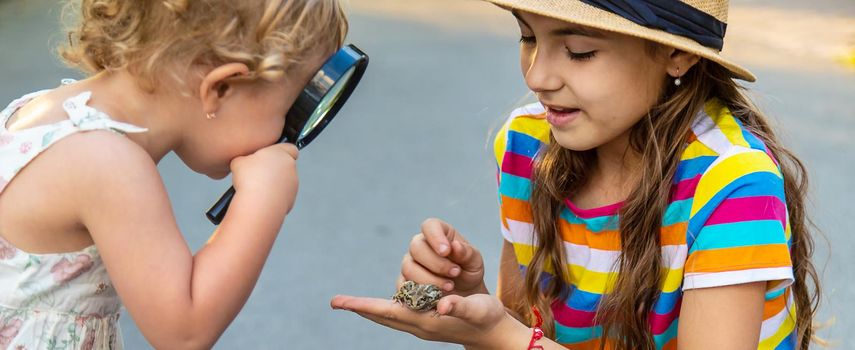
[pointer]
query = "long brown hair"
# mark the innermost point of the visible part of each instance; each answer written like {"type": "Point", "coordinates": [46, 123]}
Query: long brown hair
{"type": "Point", "coordinates": [659, 139]}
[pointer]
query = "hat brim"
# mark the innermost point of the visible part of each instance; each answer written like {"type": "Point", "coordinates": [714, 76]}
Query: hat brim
{"type": "Point", "coordinates": [580, 13]}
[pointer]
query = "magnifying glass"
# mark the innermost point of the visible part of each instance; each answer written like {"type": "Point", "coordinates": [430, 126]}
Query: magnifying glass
{"type": "Point", "coordinates": [316, 106]}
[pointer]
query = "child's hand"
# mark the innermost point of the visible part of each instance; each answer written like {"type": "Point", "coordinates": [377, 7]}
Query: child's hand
{"type": "Point", "coordinates": [270, 170]}
{"type": "Point", "coordinates": [478, 321]}
{"type": "Point", "coordinates": [439, 255]}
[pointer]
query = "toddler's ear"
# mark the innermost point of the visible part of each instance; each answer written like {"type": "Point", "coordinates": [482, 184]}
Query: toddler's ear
{"type": "Point", "coordinates": [214, 86]}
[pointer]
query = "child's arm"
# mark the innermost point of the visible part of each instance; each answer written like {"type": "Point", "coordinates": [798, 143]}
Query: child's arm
{"type": "Point", "coordinates": [739, 254]}
{"type": "Point", "coordinates": [478, 321]}
{"type": "Point", "coordinates": [475, 320]}
{"type": "Point", "coordinates": [179, 300]}
{"type": "Point", "coordinates": [721, 317]}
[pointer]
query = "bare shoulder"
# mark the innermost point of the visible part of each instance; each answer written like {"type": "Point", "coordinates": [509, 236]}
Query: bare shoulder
{"type": "Point", "coordinates": [91, 166]}
{"type": "Point", "coordinates": [102, 161]}
{"type": "Point", "coordinates": [43, 209]}
{"type": "Point", "coordinates": [120, 192]}
{"type": "Point", "coordinates": [101, 150]}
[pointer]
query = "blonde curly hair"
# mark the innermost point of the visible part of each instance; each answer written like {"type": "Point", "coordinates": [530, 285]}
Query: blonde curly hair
{"type": "Point", "coordinates": [157, 38]}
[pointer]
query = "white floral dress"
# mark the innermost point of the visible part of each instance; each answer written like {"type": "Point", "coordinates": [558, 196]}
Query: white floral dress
{"type": "Point", "coordinates": [54, 301]}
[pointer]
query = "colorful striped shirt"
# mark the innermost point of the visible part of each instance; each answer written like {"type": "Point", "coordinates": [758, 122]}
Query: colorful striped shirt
{"type": "Point", "coordinates": [725, 224]}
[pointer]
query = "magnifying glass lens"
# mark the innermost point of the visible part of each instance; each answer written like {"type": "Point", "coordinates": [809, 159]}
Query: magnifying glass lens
{"type": "Point", "coordinates": [326, 103]}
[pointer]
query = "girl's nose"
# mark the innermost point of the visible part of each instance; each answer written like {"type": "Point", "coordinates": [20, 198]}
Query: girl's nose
{"type": "Point", "coordinates": [540, 76]}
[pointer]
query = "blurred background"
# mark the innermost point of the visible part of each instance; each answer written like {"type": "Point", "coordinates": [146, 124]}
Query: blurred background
{"type": "Point", "coordinates": [414, 142]}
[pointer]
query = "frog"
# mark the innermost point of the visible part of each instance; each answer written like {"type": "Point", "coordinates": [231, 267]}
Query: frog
{"type": "Point", "coordinates": [418, 297]}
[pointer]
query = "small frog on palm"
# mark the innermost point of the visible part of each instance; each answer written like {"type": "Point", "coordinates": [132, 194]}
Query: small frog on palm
{"type": "Point", "coordinates": [418, 297]}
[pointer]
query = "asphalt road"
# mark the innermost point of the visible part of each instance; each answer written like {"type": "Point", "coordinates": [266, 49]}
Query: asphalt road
{"type": "Point", "coordinates": [414, 142]}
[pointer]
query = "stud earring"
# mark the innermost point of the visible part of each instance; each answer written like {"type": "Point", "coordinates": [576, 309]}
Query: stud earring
{"type": "Point", "coordinates": [210, 116]}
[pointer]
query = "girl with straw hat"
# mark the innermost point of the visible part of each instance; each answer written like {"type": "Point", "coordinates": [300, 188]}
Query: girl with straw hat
{"type": "Point", "coordinates": [645, 173]}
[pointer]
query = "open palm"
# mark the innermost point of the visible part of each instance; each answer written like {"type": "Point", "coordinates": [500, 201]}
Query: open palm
{"type": "Point", "coordinates": [470, 321]}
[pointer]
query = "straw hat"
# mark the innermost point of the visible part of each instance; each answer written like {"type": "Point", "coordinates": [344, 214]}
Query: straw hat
{"type": "Point", "coordinates": [580, 12]}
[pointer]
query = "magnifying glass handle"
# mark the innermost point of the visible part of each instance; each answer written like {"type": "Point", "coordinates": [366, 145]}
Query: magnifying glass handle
{"type": "Point", "coordinates": [218, 211]}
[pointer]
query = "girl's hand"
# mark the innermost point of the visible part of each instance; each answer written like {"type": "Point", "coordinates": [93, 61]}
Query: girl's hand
{"type": "Point", "coordinates": [477, 322]}
{"type": "Point", "coordinates": [271, 170]}
{"type": "Point", "coordinates": [441, 256]}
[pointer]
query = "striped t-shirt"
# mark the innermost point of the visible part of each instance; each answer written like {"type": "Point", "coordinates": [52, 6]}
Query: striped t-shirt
{"type": "Point", "coordinates": [726, 223]}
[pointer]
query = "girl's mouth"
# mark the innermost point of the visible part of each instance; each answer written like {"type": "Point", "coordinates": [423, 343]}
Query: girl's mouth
{"type": "Point", "coordinates": [560, 117]}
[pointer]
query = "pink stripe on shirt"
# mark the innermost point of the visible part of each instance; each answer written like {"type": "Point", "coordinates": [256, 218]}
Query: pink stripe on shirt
{"type": "Point", "coordinates": [516, 164]}
{"type": "Point", "coordinates": [732, 209]}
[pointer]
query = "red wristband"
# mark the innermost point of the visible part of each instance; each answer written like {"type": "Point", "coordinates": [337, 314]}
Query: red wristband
{"type": "Point", "coordinates": [536, 332]}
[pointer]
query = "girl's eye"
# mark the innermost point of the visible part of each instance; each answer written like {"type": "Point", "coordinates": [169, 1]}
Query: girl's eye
{"type": "Point", "coordinates": [527, 40]}
{"type": "Point", "coordinates": [581, 56]}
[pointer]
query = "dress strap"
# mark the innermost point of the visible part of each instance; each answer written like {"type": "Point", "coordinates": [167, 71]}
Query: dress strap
{"type": "Point", "coordinates": [21, 101]}
{"type": "Point", "coordinates": [17, 104]}
{"type": "Point", "coordinates": [87, 118]}
{"type": "Point", "coordinates": [19, 148]}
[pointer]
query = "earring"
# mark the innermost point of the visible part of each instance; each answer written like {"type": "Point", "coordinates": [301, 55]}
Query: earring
{"type": "Point", "coordinates": [210, 116]}
{"type": "Point", "coordinates": [677, 81]}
